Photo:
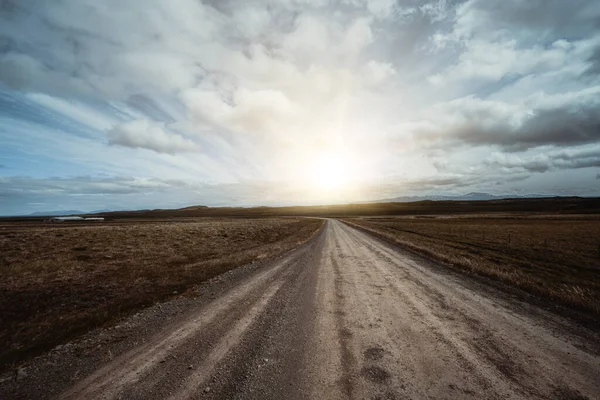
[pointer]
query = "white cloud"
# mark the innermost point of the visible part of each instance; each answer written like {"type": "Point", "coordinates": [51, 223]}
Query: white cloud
{"type": "Point", "coordinates": [379, 72]}
{"type": "Point", "coordinates": [149, 135]}
{"type": "Point", "coordinates": [493, 61]}
{"type": "Point", "coordinates": [250, 111]}
{"type": "Point", "coordinates": [497, 42]}
{"type": "Point", "coordinates": [381, 8]}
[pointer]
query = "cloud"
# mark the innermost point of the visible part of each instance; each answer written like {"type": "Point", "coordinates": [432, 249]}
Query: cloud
{"type": "Point", "coordinates": [561, 126]}
{"type": "Point", "coordinates": [258, 111]}
{"type": "Point", "coordinates": [379, 72]}
{"type": "Point", "coordinates": [151, 47]}
{"type": "Point", "coordinates": [554, 160]}
{"type": "Point", "coordinates": [381, 8]}
{"type": "Point", "coordinates": [448, 182]}
{"type": "Point", "coordinates": [145, 46]}
{"type": "Point", "coordinates": [493, 61]}
{"type": "Point", "coordinates": [422, 91]}
{"type": "Point", "coordinates": [77, 186]}
{"type": "Point", "coordinates": [594, 62]}
{"type": "Point", "coordinates": [509, 40]}
{"type": "Point", "coordinates": [561, 120]}
{"type": "Point", "coordinates": [149, 135]}
{"type": "Point", "coordinates": [552, 19]}
{"type": "Point", "coordinates": [23, 195]}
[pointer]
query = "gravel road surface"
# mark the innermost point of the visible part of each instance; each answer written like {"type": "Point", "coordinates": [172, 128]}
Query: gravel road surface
{"type": "Point", "coordinates": [348, 316]}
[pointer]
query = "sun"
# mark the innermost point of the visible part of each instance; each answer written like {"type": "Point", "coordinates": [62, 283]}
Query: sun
{"type": "Point", "coordinates": [331, 171]}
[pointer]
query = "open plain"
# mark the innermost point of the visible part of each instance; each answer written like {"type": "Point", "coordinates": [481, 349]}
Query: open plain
{"type": "Point", "coordinates": [346, 315]}
{"type": "Point", "coordinates": [60, 280]}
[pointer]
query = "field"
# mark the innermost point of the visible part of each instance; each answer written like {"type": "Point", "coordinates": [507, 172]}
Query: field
{"type": "Point", "coordinates": [59, 280]}
{"type": "Point", "coordinates": [554, 257]}
{"type": "Point", "coordinates": [366, 318]}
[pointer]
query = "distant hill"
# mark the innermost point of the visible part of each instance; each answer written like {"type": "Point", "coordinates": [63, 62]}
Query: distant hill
{"type": "Point", "coordinates": [99, 211]}
{"type": "Point", "coordinates": [64, 213]}
{"type": "Point", "coordinates": [473, 196]}
{"type": "Point", "coordinates": [192, 208]}
{"type": "Point", "coordinates": [469, 203]}
{"type": "Point", "coordinates": [456, 205]}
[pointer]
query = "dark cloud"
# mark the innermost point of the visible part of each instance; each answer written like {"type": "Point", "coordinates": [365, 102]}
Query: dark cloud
{"type": "Point", "coordinates": [561, 126]}
{"type": "Point", "coordinates": [558, 160]}
{"type": "Point", "coordinates": [409, 35]}
{"type": "Point", "coordinates": [454, 183]}
{"type": "Point", "coordinates": [518, 178]}
{"type": "Point", "coordinates": [533, 21]}
{"type": "Point", "coordinates": [594, 61]}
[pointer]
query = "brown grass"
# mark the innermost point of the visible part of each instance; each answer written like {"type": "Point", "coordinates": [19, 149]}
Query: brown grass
{"type": "Point", "coordinates": [557, 258]}
{"type": "Point", "coordinates": [61, 280]}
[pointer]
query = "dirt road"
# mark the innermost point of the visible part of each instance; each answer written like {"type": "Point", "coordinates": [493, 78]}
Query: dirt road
{"type": "Point", "coordinates": [349, 316]}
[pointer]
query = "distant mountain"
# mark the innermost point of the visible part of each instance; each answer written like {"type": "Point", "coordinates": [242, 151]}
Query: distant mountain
{"type": "Point", "coordinates": [55, 213]}
{"type": "Point", "coordinates": [473, 196]}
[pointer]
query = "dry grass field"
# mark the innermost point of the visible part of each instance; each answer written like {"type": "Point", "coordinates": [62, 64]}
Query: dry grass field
{"type": "Point", "coordinates": [555, 257]}
{"type": "Point", "coordinates": [63, 279]}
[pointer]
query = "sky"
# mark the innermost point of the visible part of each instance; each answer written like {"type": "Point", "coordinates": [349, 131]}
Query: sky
{"type": "Point", "coordinates": [163, 104]}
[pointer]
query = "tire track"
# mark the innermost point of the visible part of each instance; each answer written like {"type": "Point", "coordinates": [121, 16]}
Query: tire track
{"type": "Point", "coordinates": [146, 369]}
{"type": "Point", "coordinates": [233, 336]}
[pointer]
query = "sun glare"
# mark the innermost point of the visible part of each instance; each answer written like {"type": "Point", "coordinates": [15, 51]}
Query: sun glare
{"type": "Point", "coordinates": [331, 171]}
